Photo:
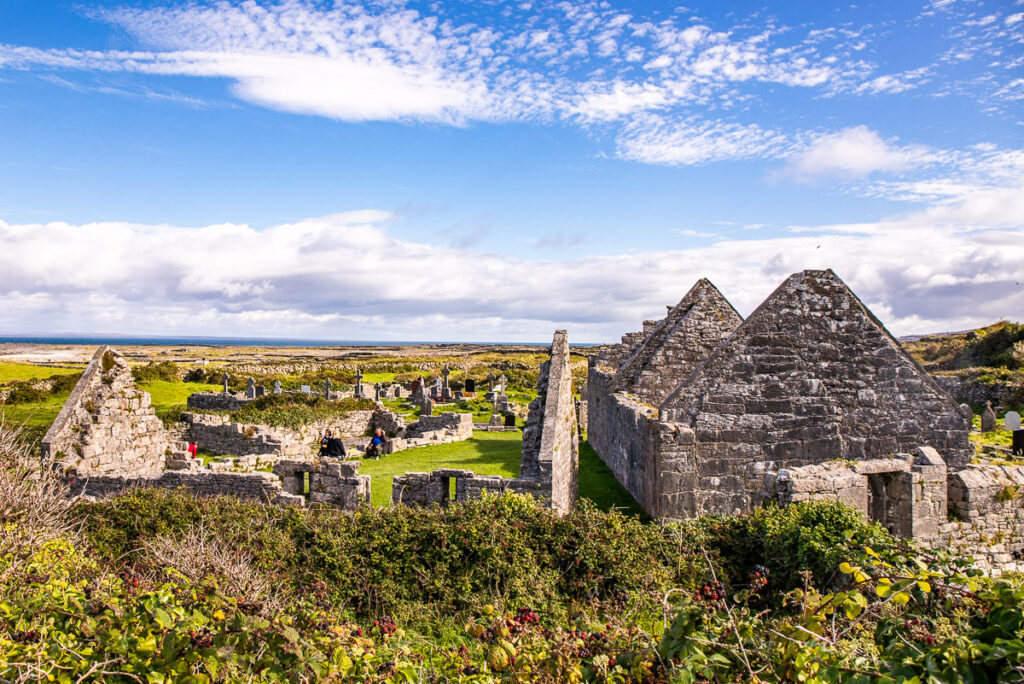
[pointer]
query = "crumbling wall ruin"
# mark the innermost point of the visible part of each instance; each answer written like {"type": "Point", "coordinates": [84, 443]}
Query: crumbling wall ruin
{"type": "Point", "coordinates": [259, 486]}
{"type": "Point", "coordinates": [986, 505]}
{"type": "Point", "coordinates": [107, 425]}
{"type": "Point", "coordinates": [550, 457]}
{"type": "Point", "coordinates": [329, 481]}
{"type": "Point", "coordinates": [217, 434]}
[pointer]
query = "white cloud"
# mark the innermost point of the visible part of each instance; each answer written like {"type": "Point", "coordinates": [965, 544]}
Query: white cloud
{"type": "Point", "coordinates": [946, 267]}
{"type": "Point", "coordinates": [852, 153]}
{"type": "Point", "coordinates": [657, 141]}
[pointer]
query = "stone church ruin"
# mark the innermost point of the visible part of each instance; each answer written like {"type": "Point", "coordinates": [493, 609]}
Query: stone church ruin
{"type": "Point", "coordinates": [808, 398]}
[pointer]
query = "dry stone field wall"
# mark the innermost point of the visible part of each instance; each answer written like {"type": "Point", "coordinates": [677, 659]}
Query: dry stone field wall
{"type": "Point", "coordinates": [107, 425]}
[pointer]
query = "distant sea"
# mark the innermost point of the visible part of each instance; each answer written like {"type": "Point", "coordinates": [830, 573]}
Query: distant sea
{"type": "Point", "coordinates": [126, 340]}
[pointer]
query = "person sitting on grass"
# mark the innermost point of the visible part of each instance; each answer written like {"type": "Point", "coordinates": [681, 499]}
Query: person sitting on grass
{"type": "Point", "coordinates": [331, 447]}
{"type": "Point", "coordinates": [378, 444]}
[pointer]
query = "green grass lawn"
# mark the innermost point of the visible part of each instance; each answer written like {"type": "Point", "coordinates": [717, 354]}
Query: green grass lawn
{"type": "Point", "coordinates": [493, 453]}
{"type": "Point", "coordinates": [10, 372]}
{"type": "Point", "coordinates": [168, 397]}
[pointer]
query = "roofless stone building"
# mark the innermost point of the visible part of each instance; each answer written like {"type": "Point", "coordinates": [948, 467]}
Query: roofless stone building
{"type": "Point", "coordinates": [706, 410]}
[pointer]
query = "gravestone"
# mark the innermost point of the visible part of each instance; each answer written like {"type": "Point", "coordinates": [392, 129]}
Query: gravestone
{"type": "Point", "coordinates": [1012, 421]}
{"type": "Point", "coordinates": [510, 420]}
{"type": "Point", "coordinates": [225, 378]}
{"type": "Point", "coordinates": [470, 385]}
{"type": "Point", "coordinates": [426, 408]}
{"type": "Point", "coordinates": [502, 384]}
{"type": "Point", "coordinates": [304, 389]}
{"type": "Point", "coordinates": [260, 390]}
{"type": "Point", "coordinates": [966, 410]}
{"type": "Point", "coordinates": [446, 391]}
{"type": "Point", "coordinates": [501, 404]}
{"type": "Point", "coordinates": [378, 394]}
{"type": "Point", "coordinates": [250, 388]}
{"type": "Point", "coordinates": [359, 384]}
{"type": "Point", "coordinates": [988, 418]}
{"type": "Point", "coordinates": [459, 396]}
{"type": "Point", "coordinates": [277, 387]}
{"type": "Point", "coordinates": [327, 388]}
{"type": "Point", "coordinates": [495, 420]}
{"type": "Point", "coordinates": [490, 381]}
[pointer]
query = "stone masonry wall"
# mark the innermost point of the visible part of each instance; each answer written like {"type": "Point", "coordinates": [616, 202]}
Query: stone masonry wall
{"type": "Point", "coordinates": [423, 489]}
{"type": "Point", "coordinates": [989, 502]}
{"type": "Point", "coordinates": [216, 433]}
{"type": "Point", "coordinates": [215, 401]}
{"type": "Point", "coordinates": [679, 343]}
{"type": "Point", "coordinates": [107, 425]}
{"type": "Point", "coordinates": [259, 486]}
{"type": "Point", "coordinates": [333, 482]}
{"type": "Point", "coordinates": [624, 434]}
{"type": "Point", "coordinates": [810, 377]}
{"type": "Point", "coordinates": [551, 442]}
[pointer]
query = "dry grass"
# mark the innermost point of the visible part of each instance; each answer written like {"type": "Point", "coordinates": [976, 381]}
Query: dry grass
{"type": "Point", "coordinates": [199, 555]}
{"type": "Point", "coordinates": [35, 502]}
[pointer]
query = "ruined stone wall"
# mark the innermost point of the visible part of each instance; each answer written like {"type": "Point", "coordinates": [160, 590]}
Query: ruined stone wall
{"type": "Point", "coordinates": [424, 489]}
{"type": "Point", "coordinates": [258, 485]}
{"type": "Point", "coordinates": [551, 439]}
{"type": "Point", "coordinates": [906, 494]}
{"type": "Point", "coordinates": [679, 343]}
{"type": "Point", "coordinates": [988, 502]}
{"type": "Point", "coordinates": [107, 425]}
{"type": "Point", "coordinates": [216, 433]}
{"type": "Point", "coordinates": [624, 433]}
{"type": "Point", "coordinates": [333, 482]}
{"type": "Point", "coordinates": [810, 377]}
{"type": "Point", "coordinates": [459, 424]}
{"type": "Point", "coordinates": [216, 401]}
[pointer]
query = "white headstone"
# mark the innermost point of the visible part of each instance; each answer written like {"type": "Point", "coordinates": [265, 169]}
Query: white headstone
{"type": "Point", "coordinates": [1012, 421]}
{"type": "Point", "coordinates": [304, 389]}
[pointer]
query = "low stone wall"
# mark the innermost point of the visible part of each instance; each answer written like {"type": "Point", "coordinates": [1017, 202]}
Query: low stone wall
{"type": "Point", "coordinates": [216, 433]}
{"type": "Point", "coordinates": [330, 481]}
{"type": "Point", "coordinates": [424, 489]}
{"type": "Point", "coordinates": [989, 502]}
{"type": "Point", "coordinates": [444, 428]}
{"type": "Point", "coordinates": [264, 487]}
{"type": "Point", "coordinates": [216, 401]}
{"type": "Point", "coordinates": [906, 494]}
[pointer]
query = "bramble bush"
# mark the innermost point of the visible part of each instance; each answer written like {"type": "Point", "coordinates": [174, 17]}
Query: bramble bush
{"type": "Point", "coordinates": [157, 586]}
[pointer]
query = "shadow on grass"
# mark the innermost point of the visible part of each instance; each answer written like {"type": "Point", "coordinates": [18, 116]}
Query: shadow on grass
{"type": "Point", "coordinates": [598, 483]}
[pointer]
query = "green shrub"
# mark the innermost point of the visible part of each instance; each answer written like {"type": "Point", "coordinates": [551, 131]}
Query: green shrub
{"type": "Point", "coordinates": [31, 391]}
{"type": "Point", "coordinates": [164, 370]}
{"type": "Point", "coordinates": [297, 410]}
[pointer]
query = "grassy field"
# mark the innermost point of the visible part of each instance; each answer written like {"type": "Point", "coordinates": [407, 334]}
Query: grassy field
{"type": "Point", "coordinates": [493, 453]}
{"type": "Point", "coordinates": [10, 372]}
{"type": "Point", "coordinates": [168, 397]}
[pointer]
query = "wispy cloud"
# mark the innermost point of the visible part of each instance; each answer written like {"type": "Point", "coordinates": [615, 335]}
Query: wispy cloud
{"type": "Point", "coordinates": [674, 90]}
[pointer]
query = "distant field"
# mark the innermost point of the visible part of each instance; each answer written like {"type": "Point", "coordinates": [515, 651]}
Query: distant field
{"type": "Point", "coordinates": [493, 453]}
{"type": "Point", "coordinates": [169, 396]}
{"type": "Point", "coordinates": [11, 372]}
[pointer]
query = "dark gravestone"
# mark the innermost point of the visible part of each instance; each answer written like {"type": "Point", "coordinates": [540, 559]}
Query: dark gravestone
{"type": "Point", "coordinates": [260, 390]}
{"type": "Point", "coordinates": [510, 420]}
{"type": "Point", "coordinates": [470, 385]}
{"type": "Point", "coordinates": [1018, 442]}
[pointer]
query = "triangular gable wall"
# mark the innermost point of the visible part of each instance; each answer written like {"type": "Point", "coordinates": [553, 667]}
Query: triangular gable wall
{"type": "Point", "coordinates": [812, 376]}
{"type": "Point", "coordinates": [701, 320]}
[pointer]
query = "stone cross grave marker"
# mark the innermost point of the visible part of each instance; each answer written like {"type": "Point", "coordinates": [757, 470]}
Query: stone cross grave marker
{"type": "Point", "coordinates": [1012, 421]}
{"type": "Point", "coordinates": [225, 378]}
{"type": "Point", "coordinates": [490, 381]}
{"type": "Point", "coordinates": [359, 383]}
{"type": "Point", "coordinates": [250, 388]}
{"type": "Point", "coordinates": [277, 387]}
{"type": "Point", "coordinates": [377, 394]}
{"type": "Point", "coordinates": [446, 391]}
{"type": "Point", "coordinates": [327, 388]}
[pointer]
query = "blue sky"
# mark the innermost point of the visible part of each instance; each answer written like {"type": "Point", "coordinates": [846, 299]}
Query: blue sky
{"type": "Point", "coordinates": [491, 171]}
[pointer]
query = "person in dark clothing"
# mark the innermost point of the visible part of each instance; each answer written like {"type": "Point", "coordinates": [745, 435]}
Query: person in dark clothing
{"type": "Point", "coordinates": [331, 447]}
{"type": "Point", "coordinates": [378, 445]}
